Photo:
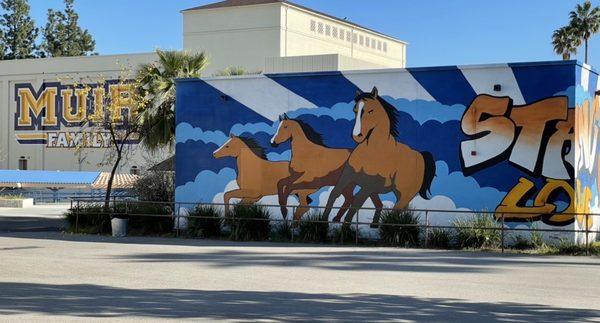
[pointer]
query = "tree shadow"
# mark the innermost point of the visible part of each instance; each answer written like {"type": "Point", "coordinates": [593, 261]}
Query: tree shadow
{"type": "Point", "coordinates": [359, 260]}
{"type": "Point", "coordinates": [108, 302]}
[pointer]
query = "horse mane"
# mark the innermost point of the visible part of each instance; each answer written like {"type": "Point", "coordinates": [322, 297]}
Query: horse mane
{"type": "Point", "coordinates": [390, 110]}
{"type": "Point", "coordinates": [254, 147]}
{"type": "Point", "coordinates": [311, 133]}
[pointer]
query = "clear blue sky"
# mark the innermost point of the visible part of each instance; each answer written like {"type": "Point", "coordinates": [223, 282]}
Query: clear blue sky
{"type": "Point", "coordinates": [440, 32]}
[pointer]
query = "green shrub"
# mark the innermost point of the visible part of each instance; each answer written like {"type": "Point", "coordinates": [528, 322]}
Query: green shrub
{"type": "Point", "coordinates": [439, 239]}
{"type": "Point", "coordinates": [88, 218]}
{"type": "Point", "coordinates": [144, 218]}
{"type": "Point", "coordinates": [345, 233]}
{"type": "Point", "coordinates": [250, 223]}
{"type": "Point", "coordinates": [205, 222]}
{"type": "Point", "coordinates": [476, 232]}
{"type": "Point", "coordinates": [282, 232]}
{"type": "Point", "coordinates": [400, 228]}
{"type": "Point", "coordinates": [149, 219]}
{"type": "Point", "coordinates": [313, 228]}
{"type": "Point", "coordinates": [155, 187]}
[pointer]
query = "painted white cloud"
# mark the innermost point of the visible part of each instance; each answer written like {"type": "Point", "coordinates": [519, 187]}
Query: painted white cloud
{"type": "Point", "coordinates": [206, 185]}
{"type": "Point", "coordinates": [185, 132]}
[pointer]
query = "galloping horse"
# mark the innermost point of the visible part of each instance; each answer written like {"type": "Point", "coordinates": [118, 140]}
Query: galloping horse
{"type": "Point", "coordinates": [257, 177]}
{"type": "Point", "coordinates": [313, 165]}
{"type": "Point", "coordinates": [380, 164]}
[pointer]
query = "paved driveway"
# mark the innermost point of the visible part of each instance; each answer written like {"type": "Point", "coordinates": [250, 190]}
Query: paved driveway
{"type": "Point", "coordinates": [50, 276]}
{"type": "Point", "coordinates": [35, 219]}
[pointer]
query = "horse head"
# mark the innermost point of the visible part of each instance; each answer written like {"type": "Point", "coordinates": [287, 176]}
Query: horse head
{"type": "Point", "coordinates": [285, 131]}
{"type": "Point", "coordinates": [371, 113]}
{"type": "Point", "coordinates": [231, 148]}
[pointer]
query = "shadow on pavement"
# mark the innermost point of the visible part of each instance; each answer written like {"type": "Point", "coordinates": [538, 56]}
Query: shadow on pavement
{"type": "Point", "coordinates": [108, 302]}
{"type": "Point", "coordinates": [10, 224]}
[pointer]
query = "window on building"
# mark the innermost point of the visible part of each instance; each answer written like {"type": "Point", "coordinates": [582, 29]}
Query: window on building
{"type": "Point", "coordinates": [379, 45]}
{"type": "Point", "coordinates": [320, 28]}
{"type": "Point", "coordinates": [334, 32]}
{"type": "Point", "coordinates": [373, 44]}
{"type": "Point", "coordinates": [313, 26]}
{"type": "Point", "coordinates": [342, 34]}
{"type": "Point", "coordinates": [327, 30]}
{"type": "Point", "coordinates": [349, 36]}
{"type": "Point", "coordinates": [385, 47]}
{"type": "Point", "coordinates": [355, 38]}
{"type": "Point", "coordinates": [22, 163]}
{"type": "Point", "coordinates": [361, 40]}
{"type": "Point", "coordinates": [367, 41]}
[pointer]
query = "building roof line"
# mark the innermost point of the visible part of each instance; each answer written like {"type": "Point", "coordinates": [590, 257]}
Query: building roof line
{"type": "Point", "coordinates": [244, 3]}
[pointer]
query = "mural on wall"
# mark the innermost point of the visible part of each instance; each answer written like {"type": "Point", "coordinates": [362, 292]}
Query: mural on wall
{"type": "Point", "coordinates": [436, 139]}
{"type": "Point", "coordinates": [587, 164]}
{"type": "Point", "coordinates": [54, 114]}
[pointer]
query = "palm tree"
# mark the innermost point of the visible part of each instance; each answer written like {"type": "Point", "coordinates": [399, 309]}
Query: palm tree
{"type": "Point", "coordinates": [565, 42]}
{"type": "Point", "coordinates": [157, 90]}
{"type": "Point", "coordinates": [585, 20]}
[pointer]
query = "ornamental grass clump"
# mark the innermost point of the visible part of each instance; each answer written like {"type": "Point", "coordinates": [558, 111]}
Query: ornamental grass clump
{"type": "Point", "coordinates": [400, 228]}
{"type": "Point", "coordinates": [282, 232]}
{"type": "Point", "coordinates": [250, 223]}
{"type": "Point", "coordinates": [345, 233]}
{"type": "Point", "coordinates": [313, 228]}
{"type": "Point", "coordinates": [439, 239]}
{"type": "Point", "coordinates": [205, 221]}
{"type": "Point", "coordinates": [480, 231]}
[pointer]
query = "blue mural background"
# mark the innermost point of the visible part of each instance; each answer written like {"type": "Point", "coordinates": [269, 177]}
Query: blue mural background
{"type": "Point", "coordinates": [430, 101]}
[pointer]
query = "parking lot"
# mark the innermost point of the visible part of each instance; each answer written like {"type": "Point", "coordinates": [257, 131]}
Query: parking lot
{"type": "Point", "coordinates": [47, 275]}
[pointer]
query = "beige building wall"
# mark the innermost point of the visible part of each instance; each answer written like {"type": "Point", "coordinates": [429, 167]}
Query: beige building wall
{"type": "Point", "coordinates": [36, 72]}
{"type": "Point", "coordinates": [308, 33]}
{"type": "Point", "coordinates": [237, 36]}
{"type": "Point", "coordinates": [246, 36]}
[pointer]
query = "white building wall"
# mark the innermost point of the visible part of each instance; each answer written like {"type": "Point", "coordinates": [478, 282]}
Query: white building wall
{"type": "Point", "coordinates": [36, 72]}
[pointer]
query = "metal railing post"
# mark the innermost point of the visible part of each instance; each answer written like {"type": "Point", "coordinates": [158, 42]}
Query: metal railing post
{"type": "Point", "coordinates": [426, 229]}
{"type": "Point", "coordinates": [587, 235]}
{"type": "Point", "coordinates": [502, 233]}
{"type": "Point", "coordinates": [292, 224]}
{"type": "Point", "coordinates": [177, 214]}
{"type": "Point", "coordinates": [357, 221]}
{"type": "Point", "coordinates": [77, 218]}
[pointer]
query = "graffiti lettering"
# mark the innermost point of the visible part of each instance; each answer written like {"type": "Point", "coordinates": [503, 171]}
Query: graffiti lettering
{"type": "Point", "coordinates": [587, 134]}
{"type": "Point", "coordinates": [534, 137]}
{"type": "Point", "coordinates": [514, 206]}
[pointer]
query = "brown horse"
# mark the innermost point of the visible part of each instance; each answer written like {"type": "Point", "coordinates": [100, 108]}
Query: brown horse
{"type": "Point", "coordinates": [313, 165]}
{"type": "Point", "coordinates": [380, 164]}
{"type": "Point", "coordinates": [257, 177]}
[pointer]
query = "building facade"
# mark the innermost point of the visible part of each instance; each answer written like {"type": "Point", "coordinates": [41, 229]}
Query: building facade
{"type": "Point", "coordinates": [519, 139]}
{"type": "Point", "coordinates": [245, 33]}
{"type": "Point", "coordinates": [42, 114]}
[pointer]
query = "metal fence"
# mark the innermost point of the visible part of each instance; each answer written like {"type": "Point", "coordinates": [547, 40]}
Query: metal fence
{"type": "Point", "coordinates": [123, 206]}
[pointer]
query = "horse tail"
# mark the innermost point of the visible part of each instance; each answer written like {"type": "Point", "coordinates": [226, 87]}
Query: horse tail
{"type": "Point", "coordinates": [428, 176]}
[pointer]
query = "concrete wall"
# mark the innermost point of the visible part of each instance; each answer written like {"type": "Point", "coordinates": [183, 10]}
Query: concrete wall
{"type": "Point", "coordinates": [56, 73]}
{"type": "Point", "coordinates": [457, 143]}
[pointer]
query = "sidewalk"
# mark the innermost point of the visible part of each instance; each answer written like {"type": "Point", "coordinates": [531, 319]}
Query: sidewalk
{"type": "Point", "coordinates": [51, 276]}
